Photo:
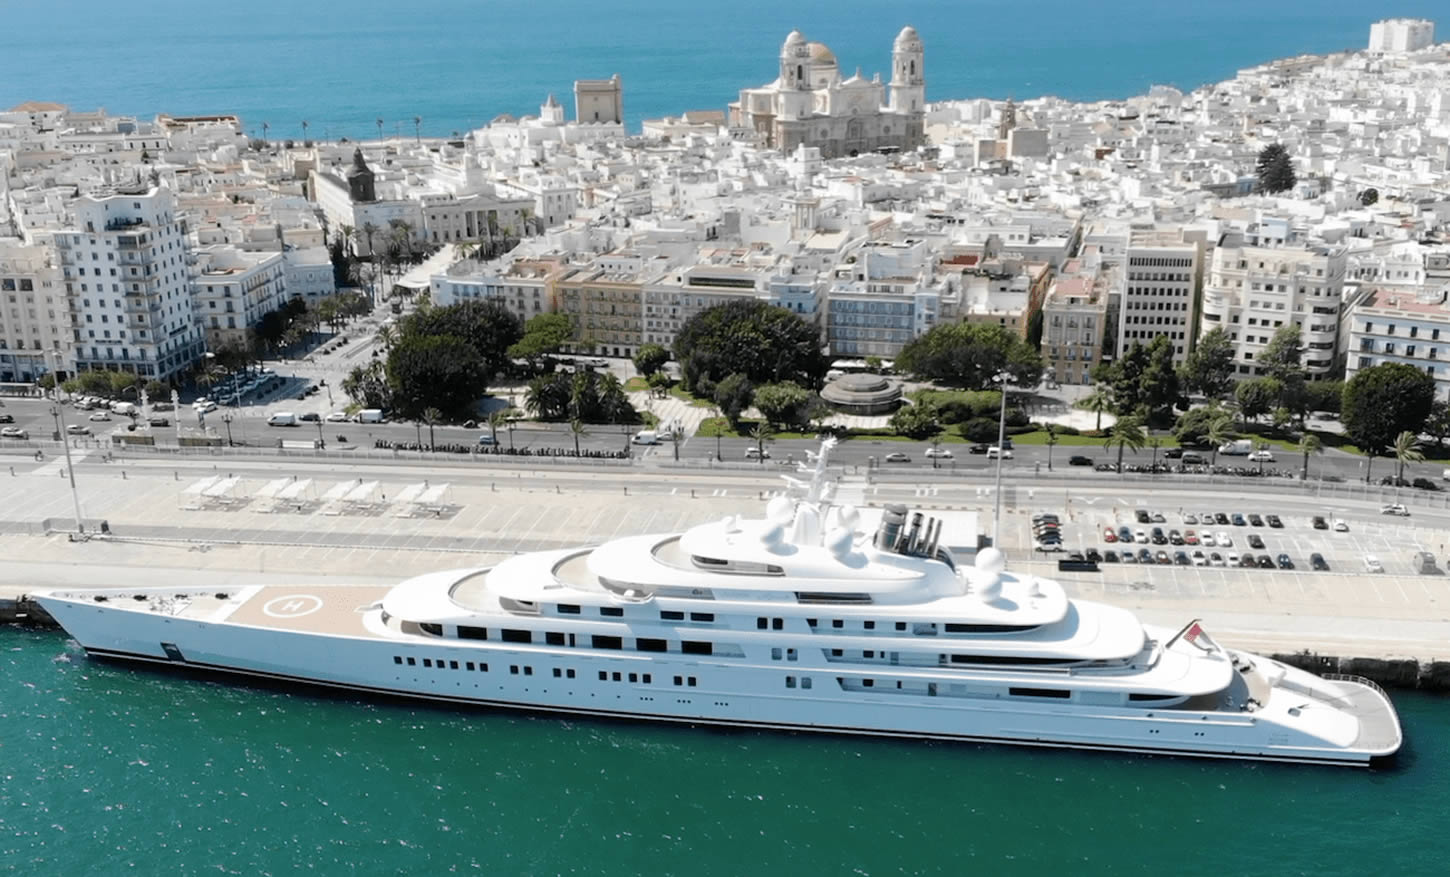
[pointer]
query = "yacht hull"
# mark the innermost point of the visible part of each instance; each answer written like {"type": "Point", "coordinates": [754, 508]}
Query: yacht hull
{"type": "Point", "coordinates": [669, 688]}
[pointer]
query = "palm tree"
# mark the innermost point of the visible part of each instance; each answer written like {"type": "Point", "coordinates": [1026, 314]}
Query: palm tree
{"type": "Point", "coordinates": [417, 128]}
{"type": "Point", "coordinates": [1155, 443]}
{"type": "Point", "coordinates": [380, 129]}
{"type": "Point", "coordinates": [431, 416]}
{"type": "Point", "coordinates": [305, 126]}
{"type": "Point", "coordinates": [495, 420]}
{"type": "Point", "coordinates": [1127, 433]}
{"type": "Point", "coordinates": [348, 233]}
{"type": "Point", "coordinates": [762, 433]}
{"type": "Point", "coordinates": [1098, 401]}
{"type": "Point", "coordinates": [369, 231]}
{"type": "Point", "coordinates": [1407, 450]}
{"type": "Point", "coordinates": [1051, 430]}
{"type": "Point", "coordinates": [387, 336]}
{"type": "Point", "coordinates": [1220, 432]}
{"type": "Point", "coordinates": [265, 128]}
{"type": "Point", "coordinates": [1309, 443]}
{"type": "Point", "coordinates": [717, 414]}
{"type": "Point", "coordinates": [576, 429]}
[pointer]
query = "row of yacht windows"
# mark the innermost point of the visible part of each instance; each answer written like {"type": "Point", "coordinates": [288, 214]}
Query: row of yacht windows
{"type": "Point", "coordinates": [761, 623]}
{"type": "Point", "coordinates": [528, 670]}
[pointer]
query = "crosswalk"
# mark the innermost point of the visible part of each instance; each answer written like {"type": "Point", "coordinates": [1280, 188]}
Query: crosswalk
{"type": "Point", "coordinates": [56, 463]}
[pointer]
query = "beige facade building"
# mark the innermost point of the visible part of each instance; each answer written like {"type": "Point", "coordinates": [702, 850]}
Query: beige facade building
{"type": "Point", "coordinates": [1160, 290]}
{"type": "Point", "coordinates": [233, 289]}
{"type": "Point", "coordinates": [34, 314]}
{"type": "Point", "coordinates": [1074, 317]}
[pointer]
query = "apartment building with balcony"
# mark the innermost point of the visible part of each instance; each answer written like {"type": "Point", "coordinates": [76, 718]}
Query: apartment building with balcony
{"type": "Point", "coordinates": [886, 295]}
{"type": "Point", "coordinates": [1252, 291]}
{"type": "Point", "coordinates": [526, 287]}
{"type": "Point", "coordinates": [1074, 317]}
{"type": "Point", "coordinates": [1407, 326]}
{"type": "Point", "coordinates": [233, 289]}
{"type": "Point", "coordinates": [720, 275]}
{"type": "Point", "coordinates": [34, 314]}
{"type": "Point", "coordinates": [605, 301]}
{"type": "Point", "coordinates": [124, 263]}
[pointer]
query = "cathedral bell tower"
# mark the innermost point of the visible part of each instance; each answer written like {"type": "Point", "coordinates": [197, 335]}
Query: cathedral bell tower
{"type": "Point", "coordinates": [795, 78]}
{"type": "Point", "coordinates": [908, 73]}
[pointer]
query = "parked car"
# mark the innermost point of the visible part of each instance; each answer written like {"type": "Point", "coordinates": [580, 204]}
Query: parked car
{"type": "Point", "coordinates": [755, 453]}
{"type": "Point", "coordinates": [1215, 559]}
{"type": "Point", "coordinates": [310, 417]}
{"type": "Point", "coordinates": [337, 417]}
{"type": "Point", "coordinates": [1266, 562]}
{"type": "Point", "coordinates": [1319, 522]}
{"type": "Point", "coordinates": [978, 448]}
{"type": "Point", "coordinates": [1140, 535]}
{"type": "Point", "coordinates": [7, 418]}
{"type": "Point", "coordinates": [14, 432]}
{"type": "Point", "coordinates": [1340, 526]}
{"type": "Point", "coordinates": [1264, 456]}
{"type": "Point", "coordinates": [1255, 541]}
{"type": "Point", "coordinates": [939, 453]}
{"type": "Point", "coordinates": [1110, 535]}
{"type": "Point", "coordinates": [1395, 509]}
{"type": "Point", "coordinates": [1093, 554]}
{"type": "Point", "coordinates": [897, 457]}
{"type": "Point", "coordinates": [1175, 538]}
{"type": "Point", "coordinates": [1163, 558]}
{"type": "Point", "coordinates": [1172, 453]}
{"type": "Point", "coordinates": [1158, 537]}
{"type": "Point", "coordinates": [1181, 558]}
{"type": "Point", "coordinates": [1190, 518]}
{"type": "Point", "coordinates": [100, 416]}
{"type": "Point", "coordinates": [1110, 556]}
{"type": "Point", "coordinates": [158, 420]}
{"type": "Point", "coordinates": [1372, 564]}
{"type": "Point", "coordinates": [993, 453]}
{"type": "Point", "coordinates": [1232, 559]}
{"type": "Point", "coordinates": [1256, 521]}
{"type": "Point", "coordinates": [1125, 535]}
{"type": "Point", "coordinates": [1079, 460]}
{"type": "Point", "coordinates": [1193, 458]}
{"type": "Point", "coordinates": [1316, 560]}
{"type": "Point", "coordinates": [1274, 521]}
{"type": "Point", "coordinates": [1190, 537]}
{"type": "Point", "coordinates": [1200, 559]}
{"type": "Point", "coordinates": [78, 429]}
{"type": "Point", "coordinates": [1239, 520]}
{"type": "Point", "coordinates": [487, 439]}
{"type": "Point", "coordinates": [1208, 539]}
{"type": "Point", "coordinates": [1142, 516]}
{"type": "Point", "coordinates": [1129, 557]}
{"type": "Point", "coordinates": [1220, 518]}
{"type": "Point", "coordinates": [1225, 540]}
{"type": "Point", "coordinates": [1284, 561]}
{"type": "Point", "coordinates": [1145, 556]}
{"type": "Point", "coordinates": [206, 406]}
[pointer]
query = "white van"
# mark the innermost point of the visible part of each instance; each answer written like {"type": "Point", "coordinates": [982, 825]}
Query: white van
{"type": "Point", "coordinates": [646, 437]}
{"type": "Point", "coordinates": [1237, 448]}
{"type": "Point", "coordinates": [282, 418]}
{"type": "Point", "coordinates": [368, 415]}
{"type": "Point", "coordinates": [125, 409]}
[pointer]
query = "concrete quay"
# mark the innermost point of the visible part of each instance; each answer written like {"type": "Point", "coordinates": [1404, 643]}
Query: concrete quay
{"type": "Point", "coordinates": [1392, 627]}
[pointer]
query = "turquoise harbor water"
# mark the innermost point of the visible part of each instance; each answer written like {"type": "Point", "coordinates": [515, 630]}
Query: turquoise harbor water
{"type": "Point", "coordinates": [459, 63]}
{"type": "Point", "coordinates": [109, 770]}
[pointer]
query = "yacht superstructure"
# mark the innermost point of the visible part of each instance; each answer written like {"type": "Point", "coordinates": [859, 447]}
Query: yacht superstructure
{"type": "Point", "coordinates": [816, 617]}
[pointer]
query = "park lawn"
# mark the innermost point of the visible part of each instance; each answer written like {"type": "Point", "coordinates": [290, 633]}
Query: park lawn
{"type": "Point", "coordinates": [679, 393]}
{"type": "Point", "coordinates": [1039, 437]}
{"type": "Point", "coordinates": [636, 385]}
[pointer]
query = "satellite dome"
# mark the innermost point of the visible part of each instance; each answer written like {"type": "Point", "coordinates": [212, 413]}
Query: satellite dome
{"type": "Point", "coordinates": [779, 510]}
{"type": "Point", "coordinates": [991, 561]}
{"type": "Point", "coordinates": [838, 542]}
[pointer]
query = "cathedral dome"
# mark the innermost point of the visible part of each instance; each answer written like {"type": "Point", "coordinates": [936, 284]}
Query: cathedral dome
{"type": "Point", "coordinates": [821, 56]}
{"type": "Point", "coordinates": [907, 39]}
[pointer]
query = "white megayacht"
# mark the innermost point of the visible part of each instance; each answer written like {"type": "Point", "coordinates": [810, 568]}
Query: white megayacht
{"type": "Point", "coordinates": [806, 619]}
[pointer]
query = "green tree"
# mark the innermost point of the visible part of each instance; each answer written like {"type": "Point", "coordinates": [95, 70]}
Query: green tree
{"type": "Point", "coordinates": [368, 386]}
{"type": "Point", "coordinates": [1383, 401]}
{"type": "Point", "coordinates": [1437, 425]}
{"type": "Point", "coordinates": [650, 358]}
{"type": "Point", "coordinates": [577, 430]}
{"type": "Point", "coordinates": [1158, 385]}
{"type": "Point", "coordinates": [547, 397]}
{"type": "Point", "coordinates": [124, 382]}
{"type": "Point", "coordinates": [496, 420]}
{"type": "Point", "coordinates": [917, 421]}
{"type": "Point", "coordinates": [970, 355]}
{"type": "Point", "coordinates": [439, 371]}
{"type": "Point", "coordinates": [1220, 433]}
{"type": "Point", "coordinates": [1325, 396]}
{"type": "Point", "coordinates": [1209, 367]}
{"type": "Point", "coordinates": [979, 429]}
{"type": "Point", "coordinates": [1281, 357]}
{"type": "Point", "coordinates": [1034, 330]}
{"type": "Point", "coordinates": [1257, 397]}
{"type": "Point", "coordinates": [1369, 196]}
{"type": "Point", "coordinates": [1275, 169]}
{"type": "Point", "coordinates": [1098, 401]}
{"type": "Point", "coordinates": [1407, 450]}
{"type": "Point", "coordinates": [544, 335]}
{"type": "Point", "coordinates": [1193, 426]}
{"type": "Point", "coordinates": [783, 404]}
{"type": "Point", "coordinates": [1050, 441]}
{"type": "Point", "coordinates": [762, 433]}
{"type": "Point", "coordinates": [733, 395]}
{"type": "Point", "coordinates": [432, 417]}
{"type": "Point", "coordinates": [1127, 433]}
{"type": "Point", "coordinates": [485, 325]}
{"type": "Point", "coordinates": [1125, 376]}
{"type": "Point", "coordinates": [157, 391]}
{"type": "Point", "coordinates": [763, 342]}
{"type": "Point", "coordinates": [1309, 443]}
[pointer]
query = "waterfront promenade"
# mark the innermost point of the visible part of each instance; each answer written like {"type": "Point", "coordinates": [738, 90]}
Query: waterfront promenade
{"type": "Point", "coordinates": [164, 531]}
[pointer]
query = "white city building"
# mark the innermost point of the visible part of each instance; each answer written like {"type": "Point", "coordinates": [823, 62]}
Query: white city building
{"type": "Point", "coordinates": [124, 265]}
{"type": "Point", "coordinates": [1252, 291]}
{"type": "Point", "coordinates": [234, 289]}
{"type": "Point", "coordinates": [309, 274]}
{"type": "Point", "coordinates": [883, 299]}
{"type": "Point", "coordinates": [34, 315]}
{"type": "Point", "coordinates": [1405, 327]}
{"type": "Point", "coordinates": [1164, 272]}
{"type": "Point", "coordinates": [1401, 35]}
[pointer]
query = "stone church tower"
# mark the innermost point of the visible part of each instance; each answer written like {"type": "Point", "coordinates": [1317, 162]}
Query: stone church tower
{"type": "Point", "coordinates": [360, 180]}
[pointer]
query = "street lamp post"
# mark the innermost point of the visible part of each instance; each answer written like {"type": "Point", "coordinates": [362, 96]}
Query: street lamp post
{"type": "Point", "coordinates": [511, 434]}
{"type": "Point", "coordinates": [1001, 379]}
{"type": "Point", "coordinates": [70, 469]}
{"type": "Point", "coordinates": [321, 442]}
{"type": "Point", "coordinates": [227, 419]}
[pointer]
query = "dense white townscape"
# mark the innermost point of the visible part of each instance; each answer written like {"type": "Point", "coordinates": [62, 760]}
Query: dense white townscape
{"type": "Point", "coordinates": [136, 245]}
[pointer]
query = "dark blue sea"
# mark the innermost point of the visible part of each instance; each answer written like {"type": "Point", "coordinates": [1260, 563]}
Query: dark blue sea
{"type": "Point", "coordinates": [342, 64]}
